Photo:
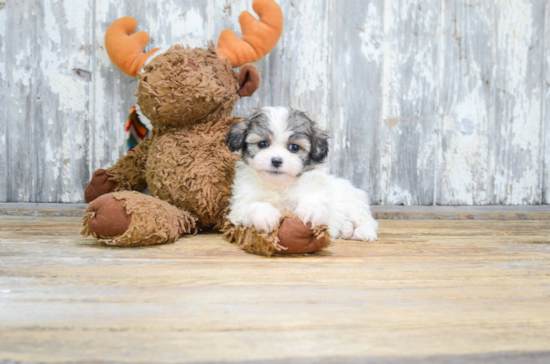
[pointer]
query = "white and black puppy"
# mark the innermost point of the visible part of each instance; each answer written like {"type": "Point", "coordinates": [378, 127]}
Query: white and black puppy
{"type": "Point", "coordinates": [282, 168]}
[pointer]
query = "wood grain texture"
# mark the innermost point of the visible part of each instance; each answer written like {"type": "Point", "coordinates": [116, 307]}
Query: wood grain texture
{"type": "Point", "coordinates": [437, 101]}
{"type": "Point", "coordinates": [545, 168]}
{"type": "Point", "coordinates": [356, 42]}
{"type": "Point", "coordinates": [455, 290]}
{"type": "Point", "coordinates": [4, 96]}
{"type": "Point", "coordinates": [466, 103]}
{"type": "Point", "coordinates": [408, 133]}
{"type": "Point", "coordinates": [516, 146]}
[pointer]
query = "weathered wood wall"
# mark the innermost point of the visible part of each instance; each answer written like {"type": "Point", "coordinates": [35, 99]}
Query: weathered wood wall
{"type": "Point", "coordinates": [428, 101]}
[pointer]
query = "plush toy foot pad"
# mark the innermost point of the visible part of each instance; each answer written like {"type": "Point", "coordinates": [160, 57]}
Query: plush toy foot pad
{"type": "Point", "coordinates": [299, 238]}
{"type": "Point", "coordinates": [108, 217]}
{"type": "Point", "coordinates": [129, 218]}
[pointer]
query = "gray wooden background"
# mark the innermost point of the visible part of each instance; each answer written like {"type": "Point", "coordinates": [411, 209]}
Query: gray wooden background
{"type": "Point", "coordinates": [428, 102]}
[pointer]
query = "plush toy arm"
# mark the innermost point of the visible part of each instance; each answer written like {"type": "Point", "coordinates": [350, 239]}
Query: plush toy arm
{"type": "Point", "coordinates": [291, 236]}
{"type": "Point", "coordinates": [129, 172]}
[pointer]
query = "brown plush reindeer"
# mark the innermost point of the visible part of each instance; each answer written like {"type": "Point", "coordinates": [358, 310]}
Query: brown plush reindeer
{"type": "Point", "coordinates": [188, 96]}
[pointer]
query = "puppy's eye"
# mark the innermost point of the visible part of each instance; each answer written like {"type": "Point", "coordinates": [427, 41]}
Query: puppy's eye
{"type": "Point", "coordinates": [263, 144]}
{"type": "Point", "coordinates": [293, 148]}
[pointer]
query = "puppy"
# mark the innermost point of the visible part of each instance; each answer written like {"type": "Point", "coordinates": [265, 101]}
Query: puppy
{"type": "Point", "coordinates": [282, 168]}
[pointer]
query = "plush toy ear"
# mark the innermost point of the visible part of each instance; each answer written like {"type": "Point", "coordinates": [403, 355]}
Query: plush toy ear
{"type": "Point", "coordinates": [236, 137]}
{"type": "Point", "coordinates": [249, 80]}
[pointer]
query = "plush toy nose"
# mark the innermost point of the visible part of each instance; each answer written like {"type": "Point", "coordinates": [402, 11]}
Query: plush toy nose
{"type": "Point", "coordinates": [276, 162]}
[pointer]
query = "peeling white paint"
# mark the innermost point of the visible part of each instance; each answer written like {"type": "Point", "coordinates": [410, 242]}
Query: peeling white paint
{"type": "Point", "coordinates": [22, 72]}
{"type": "Point", "coordinates": [493, 135]}
{"type": "Point", "coordinates": [397, 196]}
{"type": "Point", "coordinates": [51, 25]}
{"type": "Point", "coordinates": [2, 45]}
{"type": "Point", "coordinates": [187, 27]}
{"type": "Point", "coordinates": [75, 15]}
{"type": "Point", "coordinates": [519, 104]}
{"type": "Point", "coordinates": [70, 91]}
{"type": "Point", "coordinates": [371, 45]}
{"type": "Point", "coordinates": [52, 160]}
{"type": "Point", "coordinates": [309, 58]}
{"type": "Point", "coordinates": [408, 118]}
{"type": "Point", "coordinates": [545, 136]}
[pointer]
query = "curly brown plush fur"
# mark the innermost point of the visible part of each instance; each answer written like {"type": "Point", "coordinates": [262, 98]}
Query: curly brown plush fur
{"type": "Point", "coordinates": [184, 85]}
{"type": "Point", "coordinates": [193, 170]}
{"type": "Point", "coordinates": [185, 164]}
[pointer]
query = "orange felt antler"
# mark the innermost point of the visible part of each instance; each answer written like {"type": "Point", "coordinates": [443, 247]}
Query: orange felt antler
{"type": "Point", "coordinates": [259, 36]}
{"type": "Point", "coordinates": [124, 48]}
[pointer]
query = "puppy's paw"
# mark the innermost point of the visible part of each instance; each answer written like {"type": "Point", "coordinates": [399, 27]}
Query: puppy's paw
{"type": "Point", "coordinates": [365, 233]}
{"type": "Point", "coordinates": [347, 230]}
{"type": "Point", "coordinates": [264, 217]}
{"type": "Point", "coordinates": [317, 215]}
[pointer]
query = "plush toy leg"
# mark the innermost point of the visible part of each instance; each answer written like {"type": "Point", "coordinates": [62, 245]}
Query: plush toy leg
{"type": "Point", "coordinates": [130, 218]}
{"type": "Point", "coordinates": [290, 237]}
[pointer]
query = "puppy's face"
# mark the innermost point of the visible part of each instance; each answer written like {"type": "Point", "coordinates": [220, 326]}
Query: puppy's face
{"type": "Point", "coordinates": [279, 144]}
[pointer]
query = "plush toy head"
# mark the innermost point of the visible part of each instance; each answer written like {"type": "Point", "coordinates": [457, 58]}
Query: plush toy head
{"type": "Point", "coordinates": [183, 85]}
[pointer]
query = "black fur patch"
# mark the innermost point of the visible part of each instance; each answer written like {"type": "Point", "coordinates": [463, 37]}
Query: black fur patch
{"type": "Point", "coordinates": [257, 123]}
{"type": "Point", "coordinates": [235, 138]}
{"type": "Point", "coordinates": [305, 128]}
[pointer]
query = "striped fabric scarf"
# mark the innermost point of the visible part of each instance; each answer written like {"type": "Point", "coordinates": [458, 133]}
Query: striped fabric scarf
{"type": "Point", "coordinates": [136, 129]}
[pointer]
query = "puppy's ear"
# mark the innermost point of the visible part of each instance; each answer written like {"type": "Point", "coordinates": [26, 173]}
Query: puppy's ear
{"type": "Point", "coordinates": [319, 145]}
{"type": "Point", "coordinates": [318, 138]}
{"type": "Point", "coordinates": [236, 137]}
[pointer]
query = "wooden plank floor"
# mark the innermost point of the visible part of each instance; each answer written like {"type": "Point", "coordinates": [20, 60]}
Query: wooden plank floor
{"type": "Point", "coordinates": [427, 291]}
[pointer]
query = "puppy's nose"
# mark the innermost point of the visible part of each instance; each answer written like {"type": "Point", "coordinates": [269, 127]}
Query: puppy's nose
{"type": "Point", "coordinates": [276, 162]}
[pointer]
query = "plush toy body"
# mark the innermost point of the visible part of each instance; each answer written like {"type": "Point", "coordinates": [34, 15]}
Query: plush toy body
{"type": "Point", "coordinates": [187, 95]}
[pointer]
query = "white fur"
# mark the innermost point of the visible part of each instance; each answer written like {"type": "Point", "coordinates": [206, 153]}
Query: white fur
{"type": "Point", "coordinates": [259, 196]}
{"type": "Point", "coordinates": [292, 165]}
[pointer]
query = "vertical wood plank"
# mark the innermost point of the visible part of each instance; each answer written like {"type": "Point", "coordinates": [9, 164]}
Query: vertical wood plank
{"type": "Point", "coordinates": [516, 148]}
{"type": "Point", "coordinates": [62, 98]}
{"type": "Point", "coordinates": [408, 126]}
{"type": "Point", "coordinates": [546, 108]}
{"type": "Point", "coordinates": [168, 22]}
{"type": "Point", "coordinates": [466, 102]}
{"type": "Point", "coordinates": [19, 39]}
{"type": "Point", "coordinates": [355, 93]}
{"type": "Point", "coordinates": [305, 59]}
{"type": "Point", "coordinates": [49, 81]}
{"type": "Point", "coordinates": [4, 96]}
